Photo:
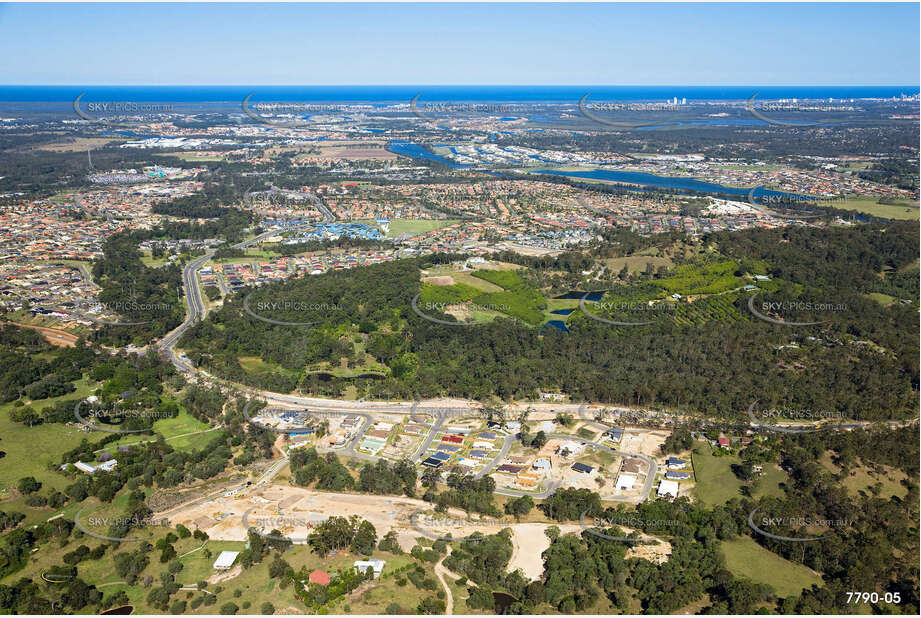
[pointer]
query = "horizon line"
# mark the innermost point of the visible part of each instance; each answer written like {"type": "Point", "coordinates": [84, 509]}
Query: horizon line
{"type": "Point", "coordinates": [405, 85]}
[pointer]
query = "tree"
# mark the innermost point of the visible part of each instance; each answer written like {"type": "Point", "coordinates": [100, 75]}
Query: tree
{"type": "Point", "coordinates": [229, 609]}
{"type": "Point", "coordinates": [365, 539]}
{"type": "Point", "coordinates": [28, 485]}
{"type": "Point", "coordinates": [267, 609]}
{"type": "Point", "coordinates": [519, 506]}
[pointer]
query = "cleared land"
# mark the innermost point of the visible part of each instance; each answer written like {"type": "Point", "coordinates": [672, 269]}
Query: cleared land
{"type": "Point", "coordinates": [745, 558]}
{"type": "Point", "coordinates": [905, 210]}
{"type": "Point", "coordinates": [715, 481]}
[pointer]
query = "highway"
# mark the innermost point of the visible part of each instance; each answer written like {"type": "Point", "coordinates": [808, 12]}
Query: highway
{"type": "Point", "coordinates": [442, 409]}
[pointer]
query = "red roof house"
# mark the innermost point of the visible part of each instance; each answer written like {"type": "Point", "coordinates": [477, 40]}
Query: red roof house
{"type": "Point", "coordinates": [319, 577]}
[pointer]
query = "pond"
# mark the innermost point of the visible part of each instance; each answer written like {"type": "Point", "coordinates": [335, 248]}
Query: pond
{"type": "Point", "coordinates": [502, 601]}
{"type": "Point", "coordinates": [576, 295]}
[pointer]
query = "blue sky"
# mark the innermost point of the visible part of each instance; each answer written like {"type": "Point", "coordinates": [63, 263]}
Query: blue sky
{"type": "Point", "coordinates": [611, 44]}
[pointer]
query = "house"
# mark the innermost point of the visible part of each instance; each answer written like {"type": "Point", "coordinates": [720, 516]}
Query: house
{"type": "Point", "coordinates": [552, 397]}
{"type": "Point", "coordinates": [614, 434]}
{"type": "Point", "coordinates": [509, 469]}
{"type": "Point", "coordinates": [723, 441]}
{"type": "Point", "coordinates": [478, 454]}
{"type": "Point", "coordinates": [483, 444]}
{"type": "Point", "coordinates": [319, 577]}
{"type": "Point", "coordinates": [625, 482]}
{"type": "Point", "coordinates": [375, 564]}
{"type": "Point", "coordinates": [454, 439]}
{"type": "Point", "coordinates": [300, 441]}
{"type": "Point", "coordinates": [541, 463]}
{"type": "Point", "coordinates": [431, 462]}
{"type": "Point", "coordinates": [677, 475]}
{"type": "Point", "coordinates": [106, 466]}
{"type": "Point", "coordinates": [225, 560]}
{"type": "Point", "coordinates": [632, 466]}
{"type": "Point", "coordinates": [668, 488]}
{"type": "Point", "coordinates": [487, 435]}
{"type": "Point", "coordinates": [414, 429]}
{"type": "Point", "coordinates": [518, 460]}
{"type": "Point", "coordinates": [449, 448]}
{"type": "Point", "coordinates": [571, 447]}
{"type": "Point", "coordinates": [582, 468]}
{"type": "Point", "coordinates": [674, 462]}
{"type": "Point", "coordinates": [548, 426]}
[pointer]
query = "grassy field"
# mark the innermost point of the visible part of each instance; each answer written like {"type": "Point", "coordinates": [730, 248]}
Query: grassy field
{"type": "Point", "coordinates": [861, 478]}
{"type": "Point", "coordinates": [182, 424]}
{"type": "Point", "coordinates": [883, 299]}
{"type": "Point", "coordinates": [636, 263]}
{"type": "Point", "coordinates": [870, 205]}
{"type": "Point", "coordinates": [152, 262]}
{"type": "Point", "coordinates": [715, 481]}
{"type": "Point", "coordinates": [769, 484]}
{"type": "Point", "coordinates": [745, 558]}
{"type": "Point", "coordinates": [398, 227]}
{"type": "Point", "coordinates": [26, 447]}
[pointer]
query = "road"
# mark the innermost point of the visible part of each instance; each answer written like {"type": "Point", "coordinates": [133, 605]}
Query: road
{"type": "Point", "coordinates": [441, 572]}
{"type": "Point", "coordinates": [197, 310]}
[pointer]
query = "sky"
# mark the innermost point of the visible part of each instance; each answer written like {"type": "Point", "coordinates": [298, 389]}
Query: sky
{"type": "Point", "coordinates": [462, 44]}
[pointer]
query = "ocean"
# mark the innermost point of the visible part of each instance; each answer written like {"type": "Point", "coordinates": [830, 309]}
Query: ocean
{"type": "Point", "coordinates": [385, 95]}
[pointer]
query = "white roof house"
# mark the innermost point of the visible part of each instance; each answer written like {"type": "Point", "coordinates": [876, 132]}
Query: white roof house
{"type": "Point", "coordinates": [541, 463]}
{"type": "Point", "coordinates": [668, 488]}
{"type": "Point", "coordinates": [374, 563]}
{"type": "Point", "coordinates": [626, 481]}
{"type": "Point", "coordinates": [106, 466]}
{"type": "Point", "coordinates": [225, 560]}
{"type": "Point", "coordinates": [572, 447]}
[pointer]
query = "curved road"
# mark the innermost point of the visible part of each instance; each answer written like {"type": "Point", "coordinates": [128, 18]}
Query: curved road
{"type": "Point", "coordinates": [197, 311]}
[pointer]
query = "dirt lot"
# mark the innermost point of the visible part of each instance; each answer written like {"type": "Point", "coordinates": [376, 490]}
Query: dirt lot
{"type": "Point", "coordinates": [292, 510]}
{"type": "Point", "coordinates": [646, 443]}
{"type": "Point", "coordinates": [529, 543]}
{"type": "Point", "coordinates": [442, 280]}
